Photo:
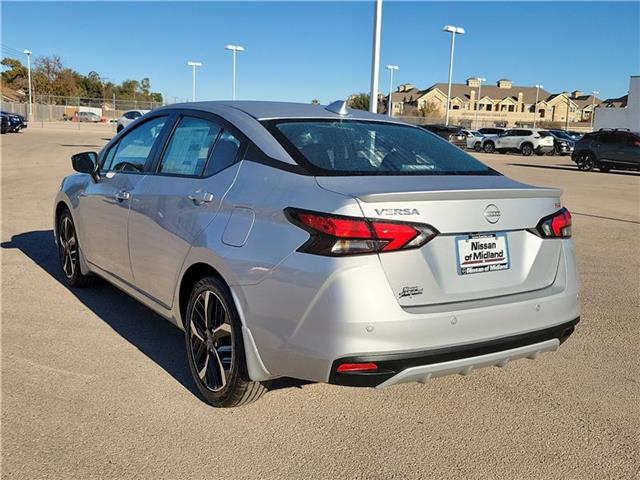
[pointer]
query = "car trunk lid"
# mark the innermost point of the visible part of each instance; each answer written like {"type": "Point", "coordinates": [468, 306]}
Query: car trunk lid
{"type": "Point", "coordinates": [483, 209]}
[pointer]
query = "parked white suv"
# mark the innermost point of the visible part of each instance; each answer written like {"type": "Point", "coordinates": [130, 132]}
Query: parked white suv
{"type": "Point", "coordinates": [526, 141]}
{"type": "Point", "coordinates": [128, 117]}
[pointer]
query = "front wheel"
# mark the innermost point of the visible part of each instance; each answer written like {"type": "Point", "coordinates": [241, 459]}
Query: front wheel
{"type": "Point", "coordinates": [489, 147]}
{"type": "Point", "coordinates": [69, 252]}
{"type": "Point", "coordinates": [586, 162]}
{"type": "Point", "coordinates": [477, 147]}
{"type": "Point", "coordinates": [215, 349]}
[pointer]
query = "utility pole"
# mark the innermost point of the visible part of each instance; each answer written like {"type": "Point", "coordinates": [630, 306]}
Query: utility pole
{"type": "Point", "coordinates": [375, 57]}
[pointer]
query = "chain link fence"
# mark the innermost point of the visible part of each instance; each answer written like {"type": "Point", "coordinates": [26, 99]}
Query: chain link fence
{"type": "Point", "coordinates": [52, 108]}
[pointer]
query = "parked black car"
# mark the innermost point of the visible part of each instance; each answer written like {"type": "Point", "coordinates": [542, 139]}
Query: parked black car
{"type": "Point", "coordinates": [450, 133]}
{"type": "Point", "coordinates": [4, 123]}
{"type": "Point", "coordinates": [607, 149]}
{"type": "Point", "coordinates": [563, 143]}
{"type": "Point", "coordinates": [16, 122]}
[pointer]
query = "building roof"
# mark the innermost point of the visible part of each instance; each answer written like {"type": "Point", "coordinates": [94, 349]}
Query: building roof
{"type": "Point", "coordinates": [619, 102]}
{"type": "Point", "coordinates": [586, 101]}
{"type": "Point", "coordinates": [463, 91]}
{"type": "Point", "coordinates": [407, 96]}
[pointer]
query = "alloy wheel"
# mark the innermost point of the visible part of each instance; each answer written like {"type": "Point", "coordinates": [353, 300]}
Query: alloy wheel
{"type": "Point", "coordinates": [210, 336]}
{"type": "Point", "coordinates": [585, 162]}
{"type": "Point", "coordinates": [68, 247]}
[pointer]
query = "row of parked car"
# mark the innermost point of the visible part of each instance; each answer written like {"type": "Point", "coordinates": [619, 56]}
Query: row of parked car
{"type": "Point", "coordinates": [11, 122]}
{"type": "Point", "coordinates": [502, 140]}
{"type": "Point", "coordinates": [604, 149]}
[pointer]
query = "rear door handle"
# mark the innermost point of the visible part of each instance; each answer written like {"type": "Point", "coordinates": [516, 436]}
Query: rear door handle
{"type": "Point", "coordinates": [200, 196]}
{"type": "Point", "coordinates": [123, 195]}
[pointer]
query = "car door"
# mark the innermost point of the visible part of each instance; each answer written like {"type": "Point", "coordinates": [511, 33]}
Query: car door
{"type": "Point", "coordinates": [171, 207]}
{"type": "Point", "coordinates": [609, 146]}
{"type": "Point", "coordinates": [104, 205]}
{"type": "Point", "coordinates": [505, 140]}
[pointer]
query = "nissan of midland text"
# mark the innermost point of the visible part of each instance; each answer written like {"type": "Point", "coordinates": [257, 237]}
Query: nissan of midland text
{"type": "Point", "coordinates": [320, 243]}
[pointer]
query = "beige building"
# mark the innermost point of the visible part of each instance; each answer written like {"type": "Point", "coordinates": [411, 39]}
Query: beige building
{"type": "Point", "coordinates": [502, 104]}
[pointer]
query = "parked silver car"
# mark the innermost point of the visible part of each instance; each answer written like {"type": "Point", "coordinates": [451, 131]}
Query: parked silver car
{"type": "Point", "coordinates": [127, 117]}
{"type": "Point", "coordinates": [325, 244]}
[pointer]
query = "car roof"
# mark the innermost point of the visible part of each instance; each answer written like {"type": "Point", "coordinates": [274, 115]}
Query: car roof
{"type": "Point", "coordinates": [261, 110]}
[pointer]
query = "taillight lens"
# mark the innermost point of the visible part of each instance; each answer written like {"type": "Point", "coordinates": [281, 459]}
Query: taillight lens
{"type": "Point", "coordinates": [339, 235]}
{"type": "Point", "coordinates": [557, 225]}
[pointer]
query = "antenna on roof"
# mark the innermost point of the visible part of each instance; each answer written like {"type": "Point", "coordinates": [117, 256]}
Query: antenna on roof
{"type": "Point", "coordinates": [339, 107]}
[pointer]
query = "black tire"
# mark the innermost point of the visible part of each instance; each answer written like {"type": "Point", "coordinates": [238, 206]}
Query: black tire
{"type": "Point", "coordinates": [526, 149]}
{"type": "Point", "coordinates": [69, 253]}
{"type": "Point", "coordinates": [489, 147]}
{"type": "Point", "coordinates": [586, 161]}
{"type": "Point", "coordinates": [553, 152]}
{"type": "Point", "coordinates": [213, 334]}
{"type": "Point", "coordinates": [477, 147]}
{"type": "Point", "coordinates": [119, 128]}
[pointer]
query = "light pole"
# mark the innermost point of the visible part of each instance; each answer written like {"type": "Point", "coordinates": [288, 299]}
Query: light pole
{"type": "Point", "coordinates": [535, 105]}
{"type": "Point", "coordinates": [234, 49]}
{"type": "Point", "coordinates": [193, 87]}
{"type": "Point", "coordinates": [480, 80]}
{"type": "Point", "coordinates": [454, 31]}
{"type": "Point", "coordinates": [593, 106]}
{"type": "Point", "coordinates": [375, 57]}
{"type": "Point", "coordinates": [391, 68]}
{"type": "Point", "coordinates": [28, 54]}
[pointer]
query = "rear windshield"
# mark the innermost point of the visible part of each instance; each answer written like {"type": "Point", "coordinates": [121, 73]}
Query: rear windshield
{"type": "Point", "coordinates": [357, 147]}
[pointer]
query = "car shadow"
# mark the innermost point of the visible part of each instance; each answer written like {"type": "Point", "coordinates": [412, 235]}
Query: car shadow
{"type": "Point", "coordinates": [158, 339]}
{"type": "Point", "coordinates": [568, 168]}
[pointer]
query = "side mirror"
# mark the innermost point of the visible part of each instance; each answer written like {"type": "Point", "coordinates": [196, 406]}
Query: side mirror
{"type": "Point", "coordinates": [86, 162]}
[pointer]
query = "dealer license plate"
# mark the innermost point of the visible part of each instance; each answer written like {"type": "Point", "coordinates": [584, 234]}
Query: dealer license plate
{"type": "Point", "coordinates": [482, 253]}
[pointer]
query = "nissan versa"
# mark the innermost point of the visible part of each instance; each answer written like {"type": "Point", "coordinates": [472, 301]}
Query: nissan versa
{"type": "Point", "coordinates": [321, 243]}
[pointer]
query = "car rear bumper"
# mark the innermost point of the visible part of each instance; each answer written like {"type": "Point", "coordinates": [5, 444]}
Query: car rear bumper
{"type": "Point", "coordinates": [328, 317]}
{"type": "Point", "coordinates": [462, 359]}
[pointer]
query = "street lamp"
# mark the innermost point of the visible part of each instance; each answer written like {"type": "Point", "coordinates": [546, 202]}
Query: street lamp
{"type": "Point", "coordinates": [535, 105]}
{"type": "Point", "coordinates": [454, 31]}
{"type": "Point", "coordinates": [375, 57]}
{"type": "Point", "coordinates": [593, 106]}
{"type": "Point", "coordinates": [193, 87]}
{"type": "Point", "coordinates": [234, 49]}
{"type": "Point", "coordinates": [391, 68]}
{"type": "Point", "coordinates": [480, 80]}
{"type": "Point", "coordinates": [28, 54]}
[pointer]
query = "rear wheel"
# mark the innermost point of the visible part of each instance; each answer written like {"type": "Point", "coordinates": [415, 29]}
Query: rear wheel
{"type": "Point", "coordinates": [119, 128]}
{"type": "Point", "coordinates": [586, 161]}
{"type": "Point", "coordinates": [526, 149]}
{"type": "Point", "coordinates": [489, 147]}
{"type": "Point", "coordinates": [69, 252]}
{"type": "Point", "coordinates": [215, 349]}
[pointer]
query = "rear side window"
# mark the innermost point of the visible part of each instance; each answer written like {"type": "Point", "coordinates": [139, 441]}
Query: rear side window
{"type": "Point", "coordinates": [225, 153]}
{"type": "Point", "coordinates": [131, 152]}
{"type": "Point", "coordinates": [543, 133]}
{"type": "Point", "coordinates": [189, 147]}
{"type": "Point", "coordinates": [358, 147]}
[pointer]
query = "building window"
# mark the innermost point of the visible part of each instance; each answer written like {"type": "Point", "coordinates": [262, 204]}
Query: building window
{"type": "Point", "coordinates": [541, 113]}
{"type": "Point", "coordinates": [511, 108]}
{"type": "Point", "coordinates": [456, 107]}
{"type": "Point", "coordinates": [489, 107]}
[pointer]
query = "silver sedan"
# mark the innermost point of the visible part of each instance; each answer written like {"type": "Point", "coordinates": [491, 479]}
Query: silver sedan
{"type": "Point", "coordinates": [320, 243]}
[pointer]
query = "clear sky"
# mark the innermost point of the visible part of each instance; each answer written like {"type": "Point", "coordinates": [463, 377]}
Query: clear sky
{"type": "Point", "coordinates": [297, 51]}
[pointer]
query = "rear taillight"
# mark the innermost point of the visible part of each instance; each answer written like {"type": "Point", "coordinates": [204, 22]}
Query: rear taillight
{"type": "Point", "coordinates": [338, 235]}
{"type": "Point", "coordinates": [557, 225]}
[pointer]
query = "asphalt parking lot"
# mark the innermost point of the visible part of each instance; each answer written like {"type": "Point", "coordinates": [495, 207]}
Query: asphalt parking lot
{"type": "Point", "coordinates": [94, 385]}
